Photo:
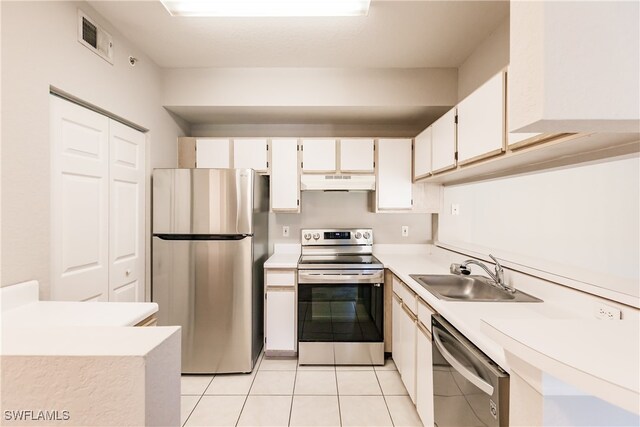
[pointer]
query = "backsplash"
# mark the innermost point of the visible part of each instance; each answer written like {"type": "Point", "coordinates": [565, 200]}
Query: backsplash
{"type": "Point", "coordinates": [348, 210]}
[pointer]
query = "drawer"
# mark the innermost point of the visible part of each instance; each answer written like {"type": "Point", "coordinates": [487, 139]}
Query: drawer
{"type": "Point", "coordinates": [424, 313]}
{"type": "Point", "coordinates": [280, 277]}
{"type": "Point", "coordinates": [409, 298]}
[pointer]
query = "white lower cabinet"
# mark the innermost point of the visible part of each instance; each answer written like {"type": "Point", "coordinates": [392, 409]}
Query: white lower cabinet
{"type": "Point", "coordinates": [280, 313]}
{"type": "Point", "coordinates": [404, 335]}
{"type": "Point", "coordinates": [411, 348]}
{"type": "Point", "coordinates": [424, 376]}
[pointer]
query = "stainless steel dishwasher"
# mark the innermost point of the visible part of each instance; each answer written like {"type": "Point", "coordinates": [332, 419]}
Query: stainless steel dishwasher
{"type": "Point", "coordinates": [470, 390]}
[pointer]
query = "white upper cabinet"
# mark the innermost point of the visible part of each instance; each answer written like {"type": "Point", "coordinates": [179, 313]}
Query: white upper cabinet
{"type": "Point", "coordinates": [285, 190]}
{"type": "Point", "coordinates": [394, 186]}
{"type": "Point", "coordinates": [251, 153]}
{"type": "Point", "coordinates": [213, 153]}
{"type": "Point", "coordinates": [422, 154]}
{"type": "Point", "coordinates": [356, 155]}
{"type": "Point", "coordinates": [574, 66]}
{"type": "Point", "coordinates": [481, 121]}
{"type": "Point", "coordinates": [443, 142]}
{"type": "Point", "coordinates": [319, 155]}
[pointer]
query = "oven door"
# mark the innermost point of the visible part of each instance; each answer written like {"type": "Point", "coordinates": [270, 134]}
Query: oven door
{"type": "Point", "coordinates": [341, 317]}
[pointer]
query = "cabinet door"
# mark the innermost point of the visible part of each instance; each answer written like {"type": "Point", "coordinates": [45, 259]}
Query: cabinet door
{"type": "Point", "coordinates": [250, 153]}
{"type": "Point", "coordinates": [318, 155]}
{"type": "Point", "coordinates": [422, 154]}
{"type": "Point", "coordinates": [396, 333]}
{"type": "Point", "coordinates": [408, 336]}
{"type": "Point", "coordinates": [394, 174]}
{"type": "Point", "coordinates": [443, 142]}
{"type": "Point", "coordinates": [280, 320]}
{"type": "Point", "coordinates": [424, 377]}
{"type": "Point", "coordinates": [213, 153]}
{"type": "Point", "coordinates": [356, 155]}
{"type": "Point", "coordinates": [79, 203]}
{"type": "Point", "coordinates": [126, 214]}
{"type": "Point", "coordinates": [285, 195]}
{"type": "Point", "coordinates": [481, 121]}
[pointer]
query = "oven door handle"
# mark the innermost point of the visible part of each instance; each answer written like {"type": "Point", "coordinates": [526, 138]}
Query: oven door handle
{"type": "Point", "coordinates": [462, 370]}
{"type": "Point", "coordinates": [340, 278]}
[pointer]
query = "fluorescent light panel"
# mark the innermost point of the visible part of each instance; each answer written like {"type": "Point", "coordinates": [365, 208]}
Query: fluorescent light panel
{"type": "Point", "coordinates": [267, 8]}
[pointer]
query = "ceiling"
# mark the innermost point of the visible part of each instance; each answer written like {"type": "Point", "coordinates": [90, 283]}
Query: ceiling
{"type": "Point", "coordinates": [402, 34]}
{"type": "Point", "coordinates": [395, 34]}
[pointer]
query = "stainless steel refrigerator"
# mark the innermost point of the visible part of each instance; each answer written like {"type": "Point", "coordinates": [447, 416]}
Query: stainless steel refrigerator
{"type": "Point", "coordinates": [209, 244]}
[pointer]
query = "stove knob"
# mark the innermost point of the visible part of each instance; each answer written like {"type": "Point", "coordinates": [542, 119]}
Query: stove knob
{"type": "Point", "coordinates": [316, 236]}
{"type": "Point", "coordinates": [366, 235]}
{"type": "Point", "coordinates": [358, 235]}
{"type": "Point", "coordinates": [307, 236]}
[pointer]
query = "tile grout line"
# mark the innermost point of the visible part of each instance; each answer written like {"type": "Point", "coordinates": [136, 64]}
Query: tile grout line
{"type": "Point", "coordinates": [335, 373]}
{"type": "Point", "coordinates": [293, 392]}
{"type": "Point", "coordinates": [246, 397]}
{"type": "Point", "coordinates": [384, 397]}
{"type": "Point", "coordinates": [199, 399]}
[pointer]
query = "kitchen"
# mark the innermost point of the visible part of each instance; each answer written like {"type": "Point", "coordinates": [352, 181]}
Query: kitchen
{"type": "Point", "coordinates": [390, 102]}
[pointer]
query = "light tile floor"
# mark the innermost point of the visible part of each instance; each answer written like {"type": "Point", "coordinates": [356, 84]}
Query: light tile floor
{"type": "Point", "coordinates": [279, 392]}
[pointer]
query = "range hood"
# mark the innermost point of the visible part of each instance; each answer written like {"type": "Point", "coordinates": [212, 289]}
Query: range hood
{"type": "Point", "coordinates": [310, 182]}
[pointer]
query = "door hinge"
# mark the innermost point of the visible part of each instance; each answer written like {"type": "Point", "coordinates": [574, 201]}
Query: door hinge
{"type": "Point", "coordinates": [265, 295]}
{"type": "Point", "coordinates": [267, 164]}
{"type": "Point", "coordinates": [456, 119]}
{"type": "Point", "coordinates": [302, 165]}
{"type": "Point", "coordinates": [298, 202]}
{"type": "Point", "coordinates": [411, 202]}
{"type": "Point", "coordinates": [455, 156]}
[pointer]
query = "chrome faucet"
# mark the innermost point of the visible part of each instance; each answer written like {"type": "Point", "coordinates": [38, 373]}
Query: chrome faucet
{"type": "Point", "coordinates": [497, 276]}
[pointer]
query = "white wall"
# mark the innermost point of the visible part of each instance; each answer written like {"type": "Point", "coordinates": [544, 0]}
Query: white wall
{"type": "Point", "coordinates": [580, 223]}
{"type": "Point", "coordinates": [491, 56]}
{"type": "Point", "coordinates": [347, 210]}
{"type": "Point", "coordinates": [39, 49]}
{"type": "Point", "coordinates": [309, 87]}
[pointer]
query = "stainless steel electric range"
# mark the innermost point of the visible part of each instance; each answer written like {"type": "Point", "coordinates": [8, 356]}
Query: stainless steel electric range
{"type": "Point", "coordinates": [340, 299]}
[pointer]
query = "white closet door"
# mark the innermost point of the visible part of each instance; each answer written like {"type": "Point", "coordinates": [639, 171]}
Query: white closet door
{"type": "Point", "coordinates": [79, 203]}
{"type": "Point", "coordinates": [126, 214]}
{"type": "Point", "coordinates": [213, 153]}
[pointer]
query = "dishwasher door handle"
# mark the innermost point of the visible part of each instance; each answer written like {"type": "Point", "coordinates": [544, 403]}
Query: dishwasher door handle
{"type": "Point", "coordinates": [462, 370]}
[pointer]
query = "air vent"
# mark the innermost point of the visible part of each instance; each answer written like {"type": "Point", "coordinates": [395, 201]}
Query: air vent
{"type": "Point", "coordinates": [94, 37]}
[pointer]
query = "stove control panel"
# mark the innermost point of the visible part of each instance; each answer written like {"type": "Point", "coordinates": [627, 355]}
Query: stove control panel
{"type": "Point", "coordinates": [337, 237]}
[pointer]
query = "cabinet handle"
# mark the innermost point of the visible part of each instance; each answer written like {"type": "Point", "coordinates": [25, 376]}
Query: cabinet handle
{"type": "Point", "coordinates": [127, 272]}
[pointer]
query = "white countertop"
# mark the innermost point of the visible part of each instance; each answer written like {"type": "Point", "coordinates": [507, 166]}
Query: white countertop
{"type": "Point", "coordinates": [66, 313]}
{"type": "Point", "coordinates": [466, 316]}
{"type": "Point", "coordinates": [282, 260]}
{"type": "Point", "coordinates": [599, 356]}
{"type": "Point", "coordinates": [285, 256]}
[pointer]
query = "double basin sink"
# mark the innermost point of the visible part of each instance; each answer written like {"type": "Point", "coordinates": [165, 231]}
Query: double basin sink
{"type": "Point", "coordinates": [452, 287]}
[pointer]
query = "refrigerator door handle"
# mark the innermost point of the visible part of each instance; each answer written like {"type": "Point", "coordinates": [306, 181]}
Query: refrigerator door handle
{"type": "Point", "coordinates": [201, 236]}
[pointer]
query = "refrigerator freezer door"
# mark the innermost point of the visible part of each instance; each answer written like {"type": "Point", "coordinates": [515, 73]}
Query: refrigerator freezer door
{"type": "Point", "coordinates": [205, 286]}
{"type": "Point", "coordinates": [203, 201]}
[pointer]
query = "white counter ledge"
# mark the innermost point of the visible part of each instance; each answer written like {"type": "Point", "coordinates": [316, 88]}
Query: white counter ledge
{"type": "Point", "coordinates": [599, 357]}
{"type": "Point", "coordinates": [22, 308]}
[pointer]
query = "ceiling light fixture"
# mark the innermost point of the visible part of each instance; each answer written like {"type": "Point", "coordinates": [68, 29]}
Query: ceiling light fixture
{"type": "Point", "coordinates": [267, 8]}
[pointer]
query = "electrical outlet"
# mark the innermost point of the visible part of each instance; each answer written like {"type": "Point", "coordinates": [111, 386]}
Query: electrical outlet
{"type": "Point", "coordinates": [606, 312]}
{"type": "Point", "coordinates": [405, 231]}
{"type": "Point", "coordinates": [455, 209]}
{"type": "Point", "coordinates": [285, 231]}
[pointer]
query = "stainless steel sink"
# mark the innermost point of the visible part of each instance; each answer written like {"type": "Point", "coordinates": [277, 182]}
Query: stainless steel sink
{"type": "Point", "coordinates": [451, 287]}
